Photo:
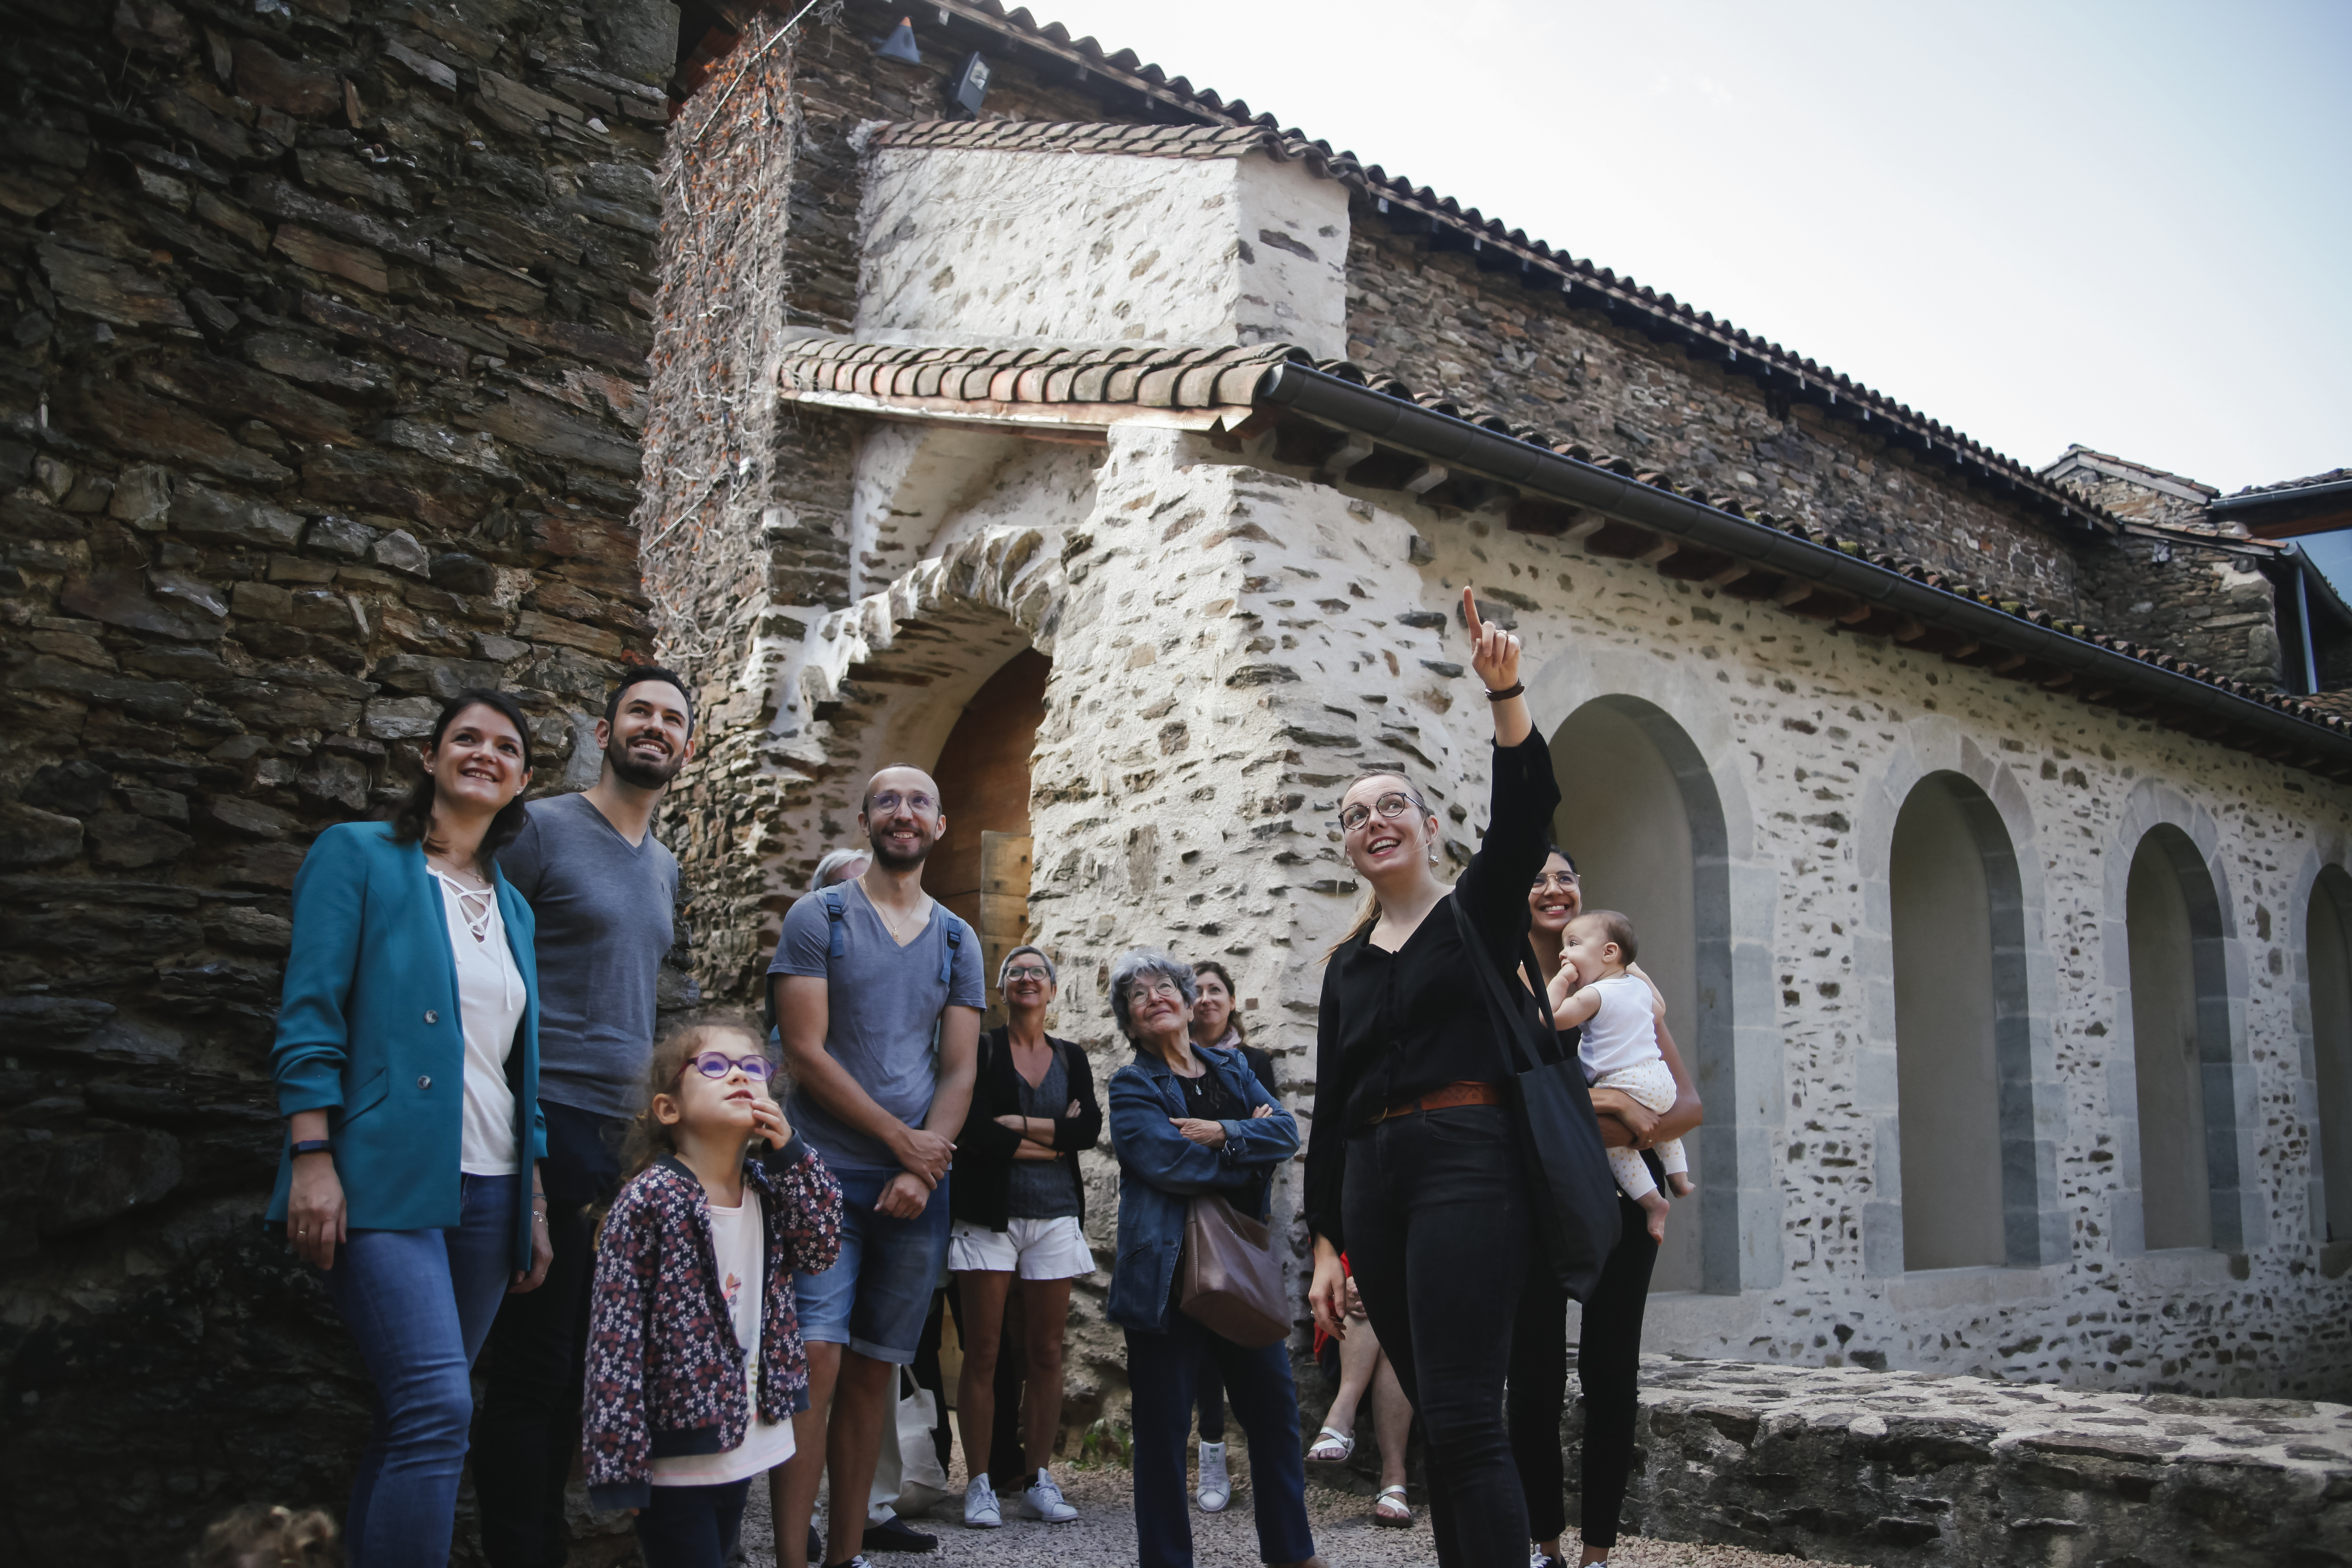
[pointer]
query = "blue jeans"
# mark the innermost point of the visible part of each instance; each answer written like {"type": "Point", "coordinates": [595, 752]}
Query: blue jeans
{"type": "Point", "coordinates": [875, 1297]}
{"type": "Point", "coordinates": [420, 1304]}
{"type": "Point", "coordinates": [1163, 1371]}
{"type": "Point", "coordinates": [692, 1527]}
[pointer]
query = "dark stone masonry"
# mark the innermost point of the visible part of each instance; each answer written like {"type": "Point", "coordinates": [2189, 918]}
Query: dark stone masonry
{"type": "Point", "coordinates": [319, 400]}
{"type": "Point", "coordinates": [1902, 1469]}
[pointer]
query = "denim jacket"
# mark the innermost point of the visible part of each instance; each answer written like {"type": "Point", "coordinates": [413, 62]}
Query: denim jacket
{"type": "Point", "coordinates": [1161, 1170]}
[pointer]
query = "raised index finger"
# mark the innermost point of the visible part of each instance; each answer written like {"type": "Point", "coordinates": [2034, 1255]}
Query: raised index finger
{"type": "Point", "coordinates": [1470, 613]}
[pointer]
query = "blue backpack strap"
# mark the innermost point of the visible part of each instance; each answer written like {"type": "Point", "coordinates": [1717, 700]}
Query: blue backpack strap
{"type": "Point", "coordinates": [947, 953]}
{"type": "Point", "coordinates": [834, 913]}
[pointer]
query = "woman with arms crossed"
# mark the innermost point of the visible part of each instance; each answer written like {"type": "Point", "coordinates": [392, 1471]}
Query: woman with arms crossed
{"type": "Point", "coordinates": [408, 1067]}
{"type": "Point", "coordinates": [1413, 1168]}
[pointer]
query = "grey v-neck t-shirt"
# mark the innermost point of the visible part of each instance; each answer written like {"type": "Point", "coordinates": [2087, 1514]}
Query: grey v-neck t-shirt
{"type": "Point", "coordinates": [601, 907]}
{"type": "Point", "coordinates": [884, 1003]}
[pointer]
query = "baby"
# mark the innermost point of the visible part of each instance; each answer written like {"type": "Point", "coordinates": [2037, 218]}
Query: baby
{"type": "Point", "coordinates": [1620, 1046]}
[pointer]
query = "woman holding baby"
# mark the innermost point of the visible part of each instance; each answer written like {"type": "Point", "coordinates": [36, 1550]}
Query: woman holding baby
{"type": "Point", "coordinates": [1609, 1344]}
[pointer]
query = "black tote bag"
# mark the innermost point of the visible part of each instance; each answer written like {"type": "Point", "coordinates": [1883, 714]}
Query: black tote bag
{"type": "Point", "coordinates": [1569, 1188]}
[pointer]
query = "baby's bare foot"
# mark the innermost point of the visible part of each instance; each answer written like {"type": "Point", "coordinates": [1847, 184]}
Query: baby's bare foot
{"type": "Point", "coordinates": [1654, 1204]}
{"type": "Point", "coordinates": [1681, 1185]}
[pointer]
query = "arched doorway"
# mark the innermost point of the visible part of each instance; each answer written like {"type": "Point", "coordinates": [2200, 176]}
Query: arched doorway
{"type": "Point", "coordinates": [980, 868]}
{"type": "Point", "coordinates": [1963, 1057]}
{"type": "Point", "coordinates": [2180, 1043]}
{"type": "Point", "coordinates": [1640, 814]}
{"type": "Point", "coordinates": [2327, 938]}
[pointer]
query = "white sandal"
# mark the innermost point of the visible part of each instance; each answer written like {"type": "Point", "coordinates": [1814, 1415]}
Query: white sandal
{"type": "Point", "coordinates": [1329, 1438]}
{"type": "Point", "coordinates": [1390, 1520]}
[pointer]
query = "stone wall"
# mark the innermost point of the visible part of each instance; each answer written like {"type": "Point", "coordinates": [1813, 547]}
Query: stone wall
{"type": "Point", "coordinates": [749, 503]}
{"type": "Point", "coordinates": [2201, 598]}
{"type": "Point", "coordinates": [1435, 321]}
{"type": "Point", "coordinates": [1899, 1470]}
{"type": "Point", "coordinates": [319, 400]}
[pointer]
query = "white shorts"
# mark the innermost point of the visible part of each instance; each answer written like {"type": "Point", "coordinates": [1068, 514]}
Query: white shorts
{"type": "Point", "coordinates": [1035, 1249]}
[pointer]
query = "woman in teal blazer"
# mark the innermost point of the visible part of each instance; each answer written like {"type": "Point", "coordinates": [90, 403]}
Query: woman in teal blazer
{"type": "Point", "coordinates": [407, 1068]}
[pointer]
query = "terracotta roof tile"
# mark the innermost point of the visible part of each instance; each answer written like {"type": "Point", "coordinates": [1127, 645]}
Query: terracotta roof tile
{"type": "Point", "coordinates": [1154, 376]}
{"type": "Point", "coordinates": [1129, 141]}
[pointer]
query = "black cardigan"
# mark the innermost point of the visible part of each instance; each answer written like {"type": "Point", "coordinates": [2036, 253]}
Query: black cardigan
{"type": "Point", "coordinates": [980, 1189]}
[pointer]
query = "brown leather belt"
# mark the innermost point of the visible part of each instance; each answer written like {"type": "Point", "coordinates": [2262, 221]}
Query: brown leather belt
{"type": "Point", "coordinates": [1452, 1094]}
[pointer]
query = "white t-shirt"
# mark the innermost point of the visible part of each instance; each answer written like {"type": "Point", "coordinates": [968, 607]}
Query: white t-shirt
{"type": "Point", "coordinates": [1625, 1033]}
{"type": "Point", "coordinates": [490, 999]}
{"type": "Point", "coordinates": [739, 1242]}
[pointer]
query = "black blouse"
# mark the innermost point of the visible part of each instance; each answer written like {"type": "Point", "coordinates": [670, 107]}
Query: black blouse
{"type": "Point", "coordinates": [1396, 1025]}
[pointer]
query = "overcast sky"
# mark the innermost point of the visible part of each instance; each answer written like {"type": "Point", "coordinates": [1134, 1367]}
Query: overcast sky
{"type": "Point", "coordinates": [2123, 224]}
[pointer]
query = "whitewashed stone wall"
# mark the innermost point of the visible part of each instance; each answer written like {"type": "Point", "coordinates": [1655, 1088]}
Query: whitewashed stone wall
{"type": "Point", "coordinates": [1001, 248]}
{"type": "Point", "coordinates": [1231, 642]}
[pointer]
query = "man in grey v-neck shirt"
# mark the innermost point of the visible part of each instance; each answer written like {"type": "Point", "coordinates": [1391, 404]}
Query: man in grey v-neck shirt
{"type": "Point", "coordinates": [601, 888]}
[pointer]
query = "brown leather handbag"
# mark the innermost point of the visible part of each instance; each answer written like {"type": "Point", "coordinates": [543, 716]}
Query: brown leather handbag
{"type": "Point", "coordinates": [1233, 1281]}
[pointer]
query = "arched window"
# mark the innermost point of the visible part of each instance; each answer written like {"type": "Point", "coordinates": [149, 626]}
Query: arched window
{"type": "Point", "coordinates": [2181, 1044]}
{"type": "Point", "coordinates": [1639, 812]}
{"type": "Point", "coordinates": [1963, 1057]}
{"type": "Point", "coordinates": [2329, 959]}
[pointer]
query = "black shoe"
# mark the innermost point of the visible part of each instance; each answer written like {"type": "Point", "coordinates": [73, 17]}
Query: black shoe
{"type": "Point", "coordinates": [816, 1546]}
{"type": "Point", "coordinates": [896, 1537]}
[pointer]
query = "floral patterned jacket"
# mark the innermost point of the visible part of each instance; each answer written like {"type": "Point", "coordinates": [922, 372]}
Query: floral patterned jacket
{"type": "Point", "coordinates": [665, 1370]}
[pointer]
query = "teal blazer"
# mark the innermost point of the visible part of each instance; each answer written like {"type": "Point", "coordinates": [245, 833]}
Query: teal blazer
{"type": "Point", "coordinates": [368, 1031]}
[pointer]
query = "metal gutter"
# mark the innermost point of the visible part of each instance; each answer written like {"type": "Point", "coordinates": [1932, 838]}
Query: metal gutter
{"type": "Point", "coordinates": [2282, 498]}
{"type": "Point", "coordinates": [2326, 591]}
{"type": "Point", "coordinates": [1458, 443]}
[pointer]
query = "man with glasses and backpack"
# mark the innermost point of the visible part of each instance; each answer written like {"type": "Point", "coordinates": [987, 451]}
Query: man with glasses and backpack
{"type": "Point", "coordinates": [877, 993]}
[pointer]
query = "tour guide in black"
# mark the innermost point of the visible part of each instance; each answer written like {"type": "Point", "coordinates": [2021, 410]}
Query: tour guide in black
{"type": "Point", "coordinates": [601, 888]}
{"type": "Point", "coordinates": [1416, 1173]}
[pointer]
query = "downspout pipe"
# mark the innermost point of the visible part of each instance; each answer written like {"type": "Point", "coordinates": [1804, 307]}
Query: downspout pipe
{"type": "Point", "coordinates": [1458, 443]}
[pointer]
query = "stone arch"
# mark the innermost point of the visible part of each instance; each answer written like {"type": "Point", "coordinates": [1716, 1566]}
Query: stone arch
{"type": "Point", "coordinates": [1996, 817]}
{"type": "Point", "coordinates": [2329, 849]}
{"type": "Point", "coordinates": [2166, 863]}
{"type": "Point", "coordinates": [1722, 1008]}
{"type": "Point", "coordinates": [2327, 969]}
{"type": "Point", "coordinates": [885, 679]}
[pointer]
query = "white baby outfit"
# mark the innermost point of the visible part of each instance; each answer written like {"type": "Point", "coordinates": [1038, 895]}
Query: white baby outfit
{"type": "Point", "coordinates": [1620, 1051]}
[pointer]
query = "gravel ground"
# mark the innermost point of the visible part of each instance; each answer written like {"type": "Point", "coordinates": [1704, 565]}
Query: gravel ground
{"type": "Point", "coordinates": [1104, 1534]}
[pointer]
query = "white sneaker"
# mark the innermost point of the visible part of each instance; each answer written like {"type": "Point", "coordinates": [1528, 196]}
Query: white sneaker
{"type": "Point", "coordinates": [1044, 1499]}
{"type": "Point", "coordinates": [1216, 1487]}
{"type": "Point", "coordinates": [980, 1508]}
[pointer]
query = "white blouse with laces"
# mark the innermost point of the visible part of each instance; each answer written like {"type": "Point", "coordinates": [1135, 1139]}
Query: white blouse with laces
{"type": "Point", "coordinates": [490, 999]}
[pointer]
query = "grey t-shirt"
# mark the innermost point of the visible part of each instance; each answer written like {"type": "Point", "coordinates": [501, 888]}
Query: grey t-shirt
{"type": "Point", "coordinates": [602, 906]}
{"type": "Point", "coordinates": [884, 1005]}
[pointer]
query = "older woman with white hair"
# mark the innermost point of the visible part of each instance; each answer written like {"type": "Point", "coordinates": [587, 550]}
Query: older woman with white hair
{"type": "Point", "coordinates": [839, 865]}
{"type": "Point", "coordinates": [1184, 1123]}
{"type": "Point", "coordinates": [1020, 1208]}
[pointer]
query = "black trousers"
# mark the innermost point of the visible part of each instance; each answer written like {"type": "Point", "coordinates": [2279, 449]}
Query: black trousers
{"type": "Point", "coordinates": [534, 1365]}
{"type": "Point", "coordinates": [1608, 1362]}
{"type": "Point", "coordinates": [1435, 1209]}
{"type": "Point", "coordinates": [1211, 1401]}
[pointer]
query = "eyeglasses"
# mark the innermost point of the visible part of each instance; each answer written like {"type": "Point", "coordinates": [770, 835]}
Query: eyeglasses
{"type": "Point", "coordinates": [718, 1064]}
{"type": "Point", "coordinates": [1026, 971]}
{"type": "Point", "coordinates": [1564, 880]}
{"type": "Point", "coordinates": [1145, 990]}
{"type": "Point", "coordinates": [890, 800]}
{"type": "Point", "coordinates": [1389, 806]}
